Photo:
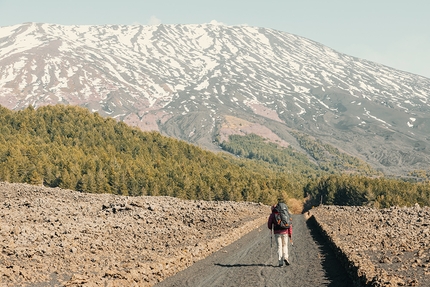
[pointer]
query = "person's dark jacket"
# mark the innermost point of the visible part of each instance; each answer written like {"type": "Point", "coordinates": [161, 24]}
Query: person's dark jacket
{"type": "Point", "coordinates": [271, 221]}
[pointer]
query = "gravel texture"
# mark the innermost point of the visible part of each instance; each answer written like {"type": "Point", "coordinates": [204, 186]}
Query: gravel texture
{"type": "Point", "coordinates": [55, 237]}
{"type": "Point", "coordinates": [387, 247]}
{"type": "Point", "coordinates": [252, 261]}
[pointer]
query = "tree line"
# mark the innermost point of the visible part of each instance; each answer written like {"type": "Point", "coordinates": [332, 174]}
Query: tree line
{"type": "Point", "coordinates": [69, 147]}
{"type": "Point", "coordinates": [336, 178]}
{"type": "Point", "coordinates": [72, 148]}
{"type": "Point", "coordinates": [379, 192]}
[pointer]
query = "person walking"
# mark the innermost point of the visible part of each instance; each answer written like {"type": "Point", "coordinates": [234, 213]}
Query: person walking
{"type": "Point", "coordinates": [280, 224]}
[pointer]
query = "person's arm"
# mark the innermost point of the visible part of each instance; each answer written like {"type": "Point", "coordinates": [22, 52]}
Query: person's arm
{"type": "Point", "coordinates": [270, 221]}
{"type": "Point", "coordinates": [290, 233]}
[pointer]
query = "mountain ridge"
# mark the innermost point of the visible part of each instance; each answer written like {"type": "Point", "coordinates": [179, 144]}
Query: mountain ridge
{"type": "Point", "coordinates": [190, 81]}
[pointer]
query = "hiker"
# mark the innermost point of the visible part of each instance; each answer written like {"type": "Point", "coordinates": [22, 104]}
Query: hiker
{"type": "Point", "coordinates": [282, 233]}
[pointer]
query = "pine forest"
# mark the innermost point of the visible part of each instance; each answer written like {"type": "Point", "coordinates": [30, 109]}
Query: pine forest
{"type": "Point", "coordinates": [70, 147]}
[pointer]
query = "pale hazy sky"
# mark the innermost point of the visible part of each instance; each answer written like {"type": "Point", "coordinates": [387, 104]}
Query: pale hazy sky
{"type": "Point", "coordinates": [395, 33]}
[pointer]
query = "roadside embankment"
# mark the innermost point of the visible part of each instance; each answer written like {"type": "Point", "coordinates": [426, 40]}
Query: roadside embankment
{"type": "Point", "coordinates": [387, 247]}
{"type": "Point", "coordinates": [57, 237]}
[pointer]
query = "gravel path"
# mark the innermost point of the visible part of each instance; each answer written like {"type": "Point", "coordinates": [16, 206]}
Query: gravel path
{"type": "Point", "coordinates": [55, 237]}
{"type": "Point", "coordinates": [251, 261]}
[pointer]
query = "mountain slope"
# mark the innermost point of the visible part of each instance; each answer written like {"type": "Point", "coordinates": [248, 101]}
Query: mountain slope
{"type": "Point", "coordinates": [204, 82]}
{"type": "Point", "coordinates": [69, 147]}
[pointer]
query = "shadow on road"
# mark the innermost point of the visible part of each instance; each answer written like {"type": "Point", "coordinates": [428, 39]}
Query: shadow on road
{"type": "Point", "coordinates": [335, 271]}
{"type": "Point", "coordinates": [246, 262]}
{"type": "Point", "coordinates": [242, 265]}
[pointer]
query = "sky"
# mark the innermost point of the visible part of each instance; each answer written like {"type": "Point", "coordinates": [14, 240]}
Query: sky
{"type": "Point", "coordinates": [395, 33]}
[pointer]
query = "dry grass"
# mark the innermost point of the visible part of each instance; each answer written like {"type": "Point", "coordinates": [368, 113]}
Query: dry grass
{"type": "Point", "coordinates": [295, 205]}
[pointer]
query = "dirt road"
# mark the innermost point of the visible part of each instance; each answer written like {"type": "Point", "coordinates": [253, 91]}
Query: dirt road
{"type": "Point", "coordinates": [251, 261]}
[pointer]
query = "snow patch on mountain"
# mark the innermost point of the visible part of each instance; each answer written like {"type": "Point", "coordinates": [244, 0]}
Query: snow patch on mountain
{"type": "Point", "coordinates": [185, 79]}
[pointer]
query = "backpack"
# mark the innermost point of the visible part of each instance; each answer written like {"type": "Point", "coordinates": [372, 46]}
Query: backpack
{"type": "Point", "coordinates": [282, 216]}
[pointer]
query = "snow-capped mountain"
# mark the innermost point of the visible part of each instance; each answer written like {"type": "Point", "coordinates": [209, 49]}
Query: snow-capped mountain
{"type": "Point", "coordinates": [198, 82]}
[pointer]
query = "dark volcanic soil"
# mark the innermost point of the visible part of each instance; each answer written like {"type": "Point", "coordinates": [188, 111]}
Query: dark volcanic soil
{"type": "Point", "coordinates": [55, 237]}
{"type": "Point", "coordinates": [251, 261]}
{"type": "Point", "coordinates": [387, 247]}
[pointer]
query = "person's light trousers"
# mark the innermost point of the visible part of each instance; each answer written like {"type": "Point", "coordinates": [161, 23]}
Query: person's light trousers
{"type": "Point", "coordinates": [282, 242]}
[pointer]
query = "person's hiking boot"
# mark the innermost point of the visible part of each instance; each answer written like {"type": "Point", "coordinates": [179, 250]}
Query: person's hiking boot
{"type": "Point", "coordinates": [281, 263]}
{"type": "Point", "coordinates": [287, 262]}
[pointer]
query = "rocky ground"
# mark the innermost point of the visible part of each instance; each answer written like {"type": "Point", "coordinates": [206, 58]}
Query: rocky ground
{"type": "Point", "coordinates": [55, 237]}
{"type": "Point", "coordinates": [252, 261]}
{"type": "Point", "coordinates": [388, 247]}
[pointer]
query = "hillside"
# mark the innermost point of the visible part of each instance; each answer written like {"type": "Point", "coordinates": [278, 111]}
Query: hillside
{"type": "Point", "coordinates": [204, 82]}
{"type": "Point", "coordinates": [69, 147]}
{"type": "Point", "coordinates": [320, 158]}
